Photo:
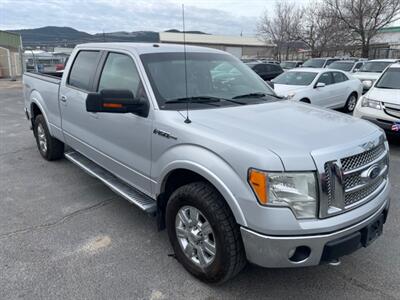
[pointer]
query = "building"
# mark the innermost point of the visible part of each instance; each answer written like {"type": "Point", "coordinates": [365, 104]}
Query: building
{"type": "Point", "coordinates": [239, 46]}
{"type": "Point", "coordinates": [10, 55]}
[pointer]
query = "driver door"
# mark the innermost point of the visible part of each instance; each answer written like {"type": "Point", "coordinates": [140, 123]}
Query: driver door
{"type": "Point", "coordinates": [325, 96]}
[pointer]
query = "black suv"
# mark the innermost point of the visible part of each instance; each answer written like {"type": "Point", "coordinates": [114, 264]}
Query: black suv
{"type": "Point", "coordinates": [266, 71]}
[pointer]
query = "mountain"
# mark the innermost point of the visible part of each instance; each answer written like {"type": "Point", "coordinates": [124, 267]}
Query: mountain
{"type": "Point", "coordinates": [53, 36]}
{"type": "Point", "coordinates": [188, 31]}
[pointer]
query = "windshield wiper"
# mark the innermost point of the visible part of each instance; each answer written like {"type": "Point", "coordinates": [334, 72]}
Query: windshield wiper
{"type": "Point", "coordinates": [255, 95]}
{"type": "Point", "coordinates": [201, 99]}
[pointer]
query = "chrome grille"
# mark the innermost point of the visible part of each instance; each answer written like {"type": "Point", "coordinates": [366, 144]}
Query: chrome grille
{"type": "Point", "coordinates": [356, 196]}
{"type": "Point", "coordinates": [359, 160]}
{"type": "Point", "coordinates": [346, 183]}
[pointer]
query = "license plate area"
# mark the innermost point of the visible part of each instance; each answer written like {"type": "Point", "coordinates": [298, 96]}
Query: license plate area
{"type": "Point", "coordinates": [370, 233]}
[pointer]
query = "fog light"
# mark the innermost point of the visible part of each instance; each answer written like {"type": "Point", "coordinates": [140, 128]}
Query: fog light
{"type": "Point", "coordinates": [299, 254]}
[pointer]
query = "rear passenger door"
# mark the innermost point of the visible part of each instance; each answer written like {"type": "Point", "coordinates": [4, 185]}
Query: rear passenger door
{"type": "Point", "coordinates": [342, 88]}
{"type": "Point", "coordinates": [325, 96]}
{"type": "Point", "coordinates": [77, 123]}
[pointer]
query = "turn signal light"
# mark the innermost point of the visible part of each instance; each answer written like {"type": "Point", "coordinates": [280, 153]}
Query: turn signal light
{"type": "Point", "coordinates": [112, 105]}
{"type": "Point", "coordinates": [258, 182]}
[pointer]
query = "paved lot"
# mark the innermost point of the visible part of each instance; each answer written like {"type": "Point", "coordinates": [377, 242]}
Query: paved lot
{"type": "Point", "coordinates": [64, 235]}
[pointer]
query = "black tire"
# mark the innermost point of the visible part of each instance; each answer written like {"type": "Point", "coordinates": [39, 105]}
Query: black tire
{"type": "Point", "coordinates": [350, 103]}
{"type": "Point", "coordinates": [230, 257]}
{"type": "Point", "coordinates": [54, 148]}
{"type": "Point", "coordinates": [305, 100]}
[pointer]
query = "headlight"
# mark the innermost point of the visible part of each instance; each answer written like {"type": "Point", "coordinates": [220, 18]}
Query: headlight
{"type": "Point", "coordinates": [298, 191]}
{"type": "Point", "coordinates": [367, 83]}
{"type": "Point", "coordinates": [366, 102]}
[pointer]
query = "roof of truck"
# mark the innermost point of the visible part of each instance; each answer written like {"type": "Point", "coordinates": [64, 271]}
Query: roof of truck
{"type": "Point", "coordinates": [143, 48]}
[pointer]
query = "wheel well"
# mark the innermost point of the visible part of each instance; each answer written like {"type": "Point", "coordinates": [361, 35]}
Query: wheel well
{"type": "Point", "coordinates": [354, 93]}
{"type": "Point", "coordinates": [305, 100]}
{"type": "Point", "coordinates": [174, 180]}
{"type": "Point", "coordinates": [35, 111]}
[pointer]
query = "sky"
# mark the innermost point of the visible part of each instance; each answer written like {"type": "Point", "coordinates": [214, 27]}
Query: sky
{"type": "Point", "coordinates": [230, 17]}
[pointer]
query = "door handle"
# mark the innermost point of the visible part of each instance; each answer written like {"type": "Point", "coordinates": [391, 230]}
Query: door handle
{"type": "Point", "coordinates": [63, 98]}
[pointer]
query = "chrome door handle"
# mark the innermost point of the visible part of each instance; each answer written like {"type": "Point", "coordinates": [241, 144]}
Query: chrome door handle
{"type": "Point", "coordinates": [63, 98]}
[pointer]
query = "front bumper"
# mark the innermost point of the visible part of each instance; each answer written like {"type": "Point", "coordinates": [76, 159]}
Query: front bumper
{"type": "Point", "coordinates": [274, 251]}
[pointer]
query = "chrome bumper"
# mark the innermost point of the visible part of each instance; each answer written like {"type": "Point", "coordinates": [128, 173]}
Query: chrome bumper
{"type": "Point", "coordinates": [274, 251]}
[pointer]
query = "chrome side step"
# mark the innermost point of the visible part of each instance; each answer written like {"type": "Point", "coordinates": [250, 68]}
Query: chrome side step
{"type": "Point", "coordinates": [131, 194]}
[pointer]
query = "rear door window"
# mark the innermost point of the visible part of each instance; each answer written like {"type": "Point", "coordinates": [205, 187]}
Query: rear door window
{"type": "Point", "coordinates": [83, 70]}
{"type": "Point", "coordinates": [339, 77]}
{"type": "Point", "coordinates": [326, 78]}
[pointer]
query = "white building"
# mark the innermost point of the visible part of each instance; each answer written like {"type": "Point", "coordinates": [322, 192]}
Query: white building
{"type": "Point", "coordinates": [238, 46]}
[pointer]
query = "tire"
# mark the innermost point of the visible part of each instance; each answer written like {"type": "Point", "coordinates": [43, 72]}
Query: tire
{"type": "Point", "coordinates": [305, 100]}
{"type": "Point", "coordinates": [229, 258]}
{"type": "Point", "coordinates": [351, 103]}
{"type": "Point", "coordinates": [50, 148]}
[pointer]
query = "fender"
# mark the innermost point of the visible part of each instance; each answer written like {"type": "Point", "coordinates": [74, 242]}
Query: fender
{"type": "Point", "coordinates": [37, 99]}
{"type": "Point", "coordinates": [210, 166]}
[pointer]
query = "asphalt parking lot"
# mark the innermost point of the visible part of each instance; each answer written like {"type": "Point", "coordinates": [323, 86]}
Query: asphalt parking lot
{"type": "Point", "coordinates": [65, 235]}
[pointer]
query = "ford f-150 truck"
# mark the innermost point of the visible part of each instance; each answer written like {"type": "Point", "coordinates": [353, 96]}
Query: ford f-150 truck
{"type": "Point", "coordinates": [232, 171]}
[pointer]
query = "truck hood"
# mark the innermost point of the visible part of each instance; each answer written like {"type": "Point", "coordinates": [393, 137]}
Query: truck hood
{"type": "Point", "coordinates": [284, 90]}
{"type": "Point", "coordinates": [291, 130]}
{"type": "Point", "coordinates": [367, 75]}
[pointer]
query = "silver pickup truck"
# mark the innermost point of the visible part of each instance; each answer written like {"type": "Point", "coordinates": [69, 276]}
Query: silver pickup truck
{"type": "Point", "coordinates": [233, 172]}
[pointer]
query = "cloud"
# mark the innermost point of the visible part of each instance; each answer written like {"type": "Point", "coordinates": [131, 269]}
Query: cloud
{"type": "Point", "coordinates": [98, 15]}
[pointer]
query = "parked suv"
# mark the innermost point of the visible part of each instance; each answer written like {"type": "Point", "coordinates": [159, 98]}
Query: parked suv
{"type": "Point", "coordinates": [233, 172]}
{"type": "Point", "coordinates": [381, 104]}
{"type": "Point", "coordinates": [322, 62]}
{"type": "Point", "coordinates": [266, 71]}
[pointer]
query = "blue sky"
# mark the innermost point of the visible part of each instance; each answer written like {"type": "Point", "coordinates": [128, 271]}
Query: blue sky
{"type": "Point", "coordinates": [228, 17]}
{"type": "Point", "coordinates": [217, 17]}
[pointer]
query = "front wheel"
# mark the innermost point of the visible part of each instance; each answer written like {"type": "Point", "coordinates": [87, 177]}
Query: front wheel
{"type": "Point", "coordinates": [351, 103]}
{"type": "Point", "coordinates": [203, 233]}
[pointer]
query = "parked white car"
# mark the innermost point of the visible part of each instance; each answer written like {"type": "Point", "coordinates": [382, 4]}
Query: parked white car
{"type": "Point", "coordinates": [381, 104]}
{"type": "Point", "coordinates": [371, 70]}
{"type": "Point", "coordinates": [349, 66]}
{"type": "Point", "coordinates": [322, 87]}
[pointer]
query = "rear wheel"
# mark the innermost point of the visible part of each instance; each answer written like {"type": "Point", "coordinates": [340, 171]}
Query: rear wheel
{"type": "Point", "coordinates": [50, 148]}
{"type": "Point", "coordinates": [203, 233]}
{"type": "Point", "coordinates": [351, 103]}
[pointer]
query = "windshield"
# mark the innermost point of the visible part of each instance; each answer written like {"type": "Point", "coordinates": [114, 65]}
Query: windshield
{"type": "Point", "coordinates": [288, 64]}
{"type": "Point", "coordinates": [374, 66]}
{"type": "Point", "coordinates": [344, 66]}
{"type": "Point", "coordinates": [314, 63]}
{"type": "Point", "coordinates": [390, 79]}
{"type": "Point", "coordinates": [295, 78]}
{"type": "Point", "coordinates": [209, 75]}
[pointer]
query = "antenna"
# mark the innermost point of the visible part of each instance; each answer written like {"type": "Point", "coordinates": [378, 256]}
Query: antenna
{"type": "Point", "coordinates": [187, 120]}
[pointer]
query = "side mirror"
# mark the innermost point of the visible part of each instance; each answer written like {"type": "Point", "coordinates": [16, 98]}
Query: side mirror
{"type": "Point", "coordinates": [116, 101]}
{"type": "Point", "coordinates": [367, 84]}
{"type": "Point", "coordinates": [355, 70]}
{"type": "Point", "coordinates": [320, 85]}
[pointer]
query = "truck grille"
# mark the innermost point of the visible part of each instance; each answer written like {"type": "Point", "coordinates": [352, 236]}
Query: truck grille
{"type": "Point", "coordinates": [359, 160]}
{"type": "Point", "coordinates": [347, 182]}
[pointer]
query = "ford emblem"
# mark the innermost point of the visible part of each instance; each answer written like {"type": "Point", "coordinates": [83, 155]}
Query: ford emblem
{"type": "Point", "coordinates": [372, 172]}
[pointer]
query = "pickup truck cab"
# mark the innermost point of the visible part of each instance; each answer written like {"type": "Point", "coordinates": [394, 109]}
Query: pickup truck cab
{"type": "Point", "coordinates": [233, 172]}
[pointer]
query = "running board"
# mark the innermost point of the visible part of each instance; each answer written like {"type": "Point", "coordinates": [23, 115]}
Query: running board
{"type": "Point", "coordinates": [131, 194]}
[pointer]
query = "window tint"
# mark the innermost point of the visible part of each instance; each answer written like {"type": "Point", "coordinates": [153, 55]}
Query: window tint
{"type": "Point", "coordinates": [326, 78]}
{"type": "Point", "coordinates": [339, 77]}
{"type": "Point", "coordinates": [329, 61]}
{"type": "Point", "coordinates": [83, 69]}
{"type": "Point", "coordinates": [390, 79]}
{"type": "Point", "coordinates": [120, 73]}
{"type": "Point", "coordinates": [295, 78]}
{"type": "Point", "coordinates": [276, 68]}
{"type": "Point", "coordinates": [358, 65]}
